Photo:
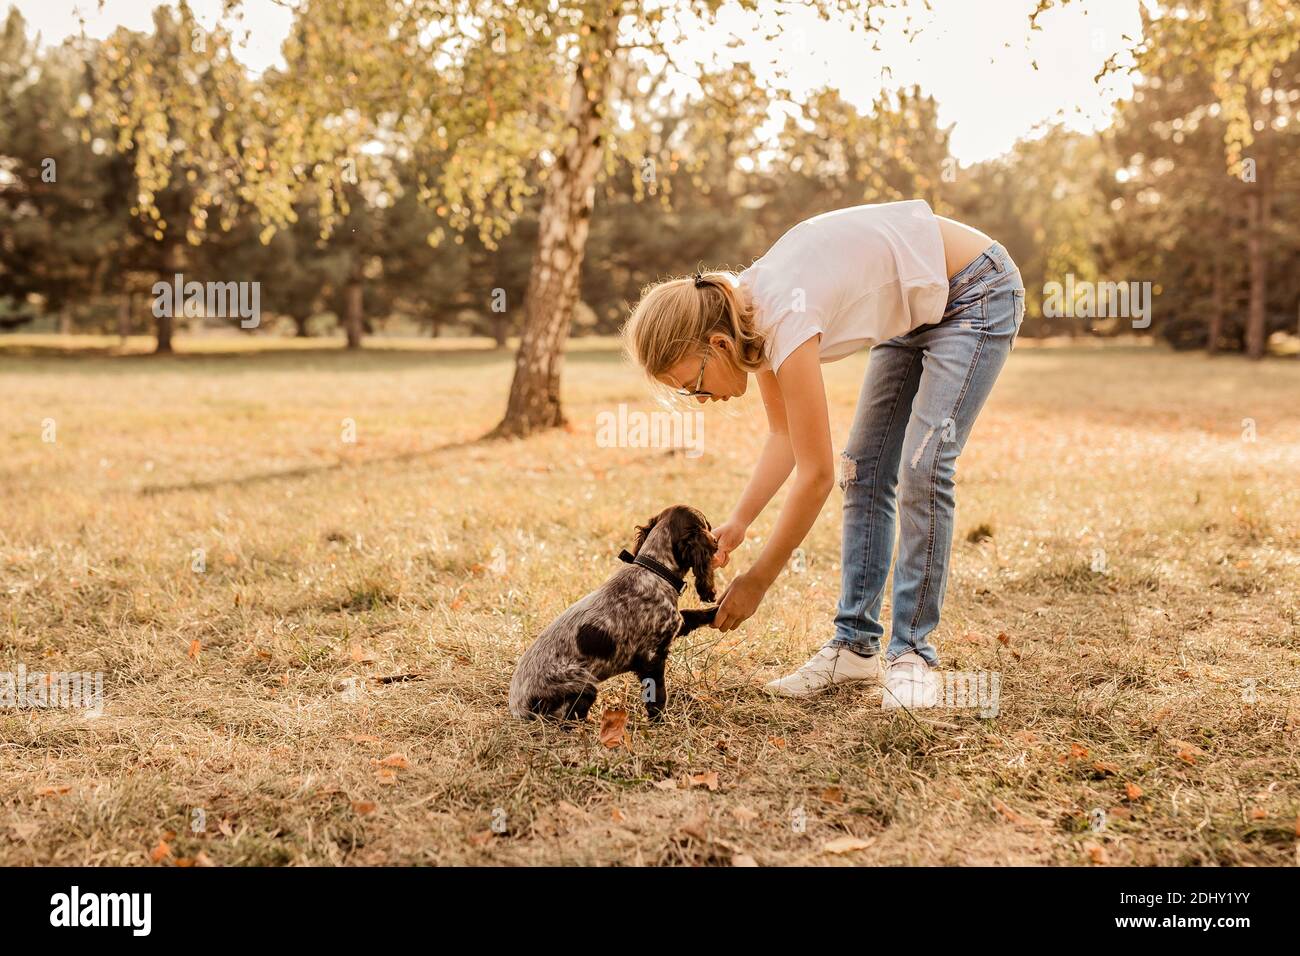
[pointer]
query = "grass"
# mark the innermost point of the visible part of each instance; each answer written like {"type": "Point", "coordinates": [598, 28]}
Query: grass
{"type": "Point", "coordinates": [1124, 559]}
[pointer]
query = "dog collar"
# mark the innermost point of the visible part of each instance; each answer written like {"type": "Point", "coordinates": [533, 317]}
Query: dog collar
{"type": "Point", "coordinates": [650, 564]}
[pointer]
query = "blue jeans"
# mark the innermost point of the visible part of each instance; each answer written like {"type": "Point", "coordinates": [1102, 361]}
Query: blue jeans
{"type": "Point", "coordinates": [919, 400]}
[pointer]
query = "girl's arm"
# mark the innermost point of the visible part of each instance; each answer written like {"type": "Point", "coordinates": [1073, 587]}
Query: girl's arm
{"type": "Point", "coordinates": [809, 432]}
{"type": "Point", "coordinates": [774, 466]}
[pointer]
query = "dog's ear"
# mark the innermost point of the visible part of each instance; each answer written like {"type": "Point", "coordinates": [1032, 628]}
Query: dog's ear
{"type": "Point", "coordinates": [642, 532]}
{"type": "Point", "coordinates": [698, 550]}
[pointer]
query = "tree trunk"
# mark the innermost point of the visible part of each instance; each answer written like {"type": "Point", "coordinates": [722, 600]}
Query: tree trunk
{"type": "Point", "coordinates": [124, 318]}
{"type": "Point", "coordinates": [500, 330]}
{"type": "Point", "coordinates": [353, 313]}
{"type": "Point", "coordinates": [563, 225]}
{"type": "Point", "coordinates": [1258, 205]}
{"type": "Point", "coordinates": [300, 326]}
{"type": "Point", "coordinates": [163, 331]}
{"type": "Point", "coordinates": [1216, 310]}
{"type": "Point", "coordinates": [173, 263]}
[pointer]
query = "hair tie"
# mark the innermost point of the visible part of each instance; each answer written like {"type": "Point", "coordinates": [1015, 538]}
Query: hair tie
{"type": "Point", "coordinates": [699, 280]}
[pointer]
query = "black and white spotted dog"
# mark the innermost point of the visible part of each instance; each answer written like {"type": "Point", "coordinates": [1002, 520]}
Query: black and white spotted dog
{"type": "Point", "coordinates": [627, 624]}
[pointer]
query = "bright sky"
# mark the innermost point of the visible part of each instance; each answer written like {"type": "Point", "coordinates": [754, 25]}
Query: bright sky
{"type": "Point", "coordinates": [974, 56]}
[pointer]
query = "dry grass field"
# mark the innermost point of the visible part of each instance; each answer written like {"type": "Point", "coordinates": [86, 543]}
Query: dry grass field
{"type": "Point", "coordinates": [1127, 561]}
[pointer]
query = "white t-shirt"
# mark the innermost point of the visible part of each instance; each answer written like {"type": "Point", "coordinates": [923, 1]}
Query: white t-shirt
{"type": "Point", "coordinates": [858, 276]}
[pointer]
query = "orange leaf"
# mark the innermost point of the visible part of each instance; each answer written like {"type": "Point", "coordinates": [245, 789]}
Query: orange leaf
{"type": "Point", "coordinates": [1132, 791]}
{"type": "Point", "coordinates": [363, 807]}
{"type": "Point", "coordinates": [55, 791]}
{"type": "Point", "coordinates": [612, 724]}
{"type": "Point", "coordinates": [1078, 752]}
{"type": "Point", "coordinates": [833, 795]}
{"type": "Point", "coordinates": [708, 779]}
{"type": "Point", "coordinates": [777, 742]}
{"type": "Point", "coordinates": [1004, 639]}
{"type": "Point", "coordinates": [195, 646]}
{"type": "Point", "coordinates": [1096, 853]}
{"type": "Point", "coordinates": [160, 852]}
{"type": "Point", "coordinates": [395, 761]}
{"type": "Point", "coordinates": [386, 777]}
{"type": "Point", "coordinates": [1104, 766]}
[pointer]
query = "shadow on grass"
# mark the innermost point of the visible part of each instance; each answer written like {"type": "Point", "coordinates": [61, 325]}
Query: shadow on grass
{"type": "Point", "coordinates": [303, 471]}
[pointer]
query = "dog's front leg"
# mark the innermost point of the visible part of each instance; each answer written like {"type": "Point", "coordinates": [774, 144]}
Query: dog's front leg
{"type": "Point", "coordinates": [696, 617]}
{"type": "Point", "coordinates": [653, 690]}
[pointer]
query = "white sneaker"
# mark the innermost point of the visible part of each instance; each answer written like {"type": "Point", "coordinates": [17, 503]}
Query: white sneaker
{"type": "Point", "coordinates": [910, 683]}
{"type": "Point", "coordinates": [830, 665]}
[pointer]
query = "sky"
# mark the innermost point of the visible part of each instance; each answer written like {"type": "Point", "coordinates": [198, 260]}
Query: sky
{"type": "Point", "coordinates": [976, 57]}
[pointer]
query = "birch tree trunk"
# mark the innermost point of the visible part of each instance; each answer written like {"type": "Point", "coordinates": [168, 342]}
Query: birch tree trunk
{"type": "Point", "coordinates": [564, 223]}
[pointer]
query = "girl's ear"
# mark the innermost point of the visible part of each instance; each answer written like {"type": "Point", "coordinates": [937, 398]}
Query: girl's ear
{"type": "Point", "coordinates": [642, 532]}
{"type": "Point", "coordinates": [699, 555]}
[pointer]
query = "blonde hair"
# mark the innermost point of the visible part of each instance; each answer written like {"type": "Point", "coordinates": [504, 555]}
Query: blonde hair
{"type": "Point", "coordinates": [677, 316]}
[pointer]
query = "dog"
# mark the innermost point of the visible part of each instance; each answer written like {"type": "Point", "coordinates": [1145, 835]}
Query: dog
{"type": "Point", "coordinates": [626, 624]}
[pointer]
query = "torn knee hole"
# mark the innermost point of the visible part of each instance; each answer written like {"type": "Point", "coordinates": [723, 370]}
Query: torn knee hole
{"type": "Point", "coordinates": [848, 470]}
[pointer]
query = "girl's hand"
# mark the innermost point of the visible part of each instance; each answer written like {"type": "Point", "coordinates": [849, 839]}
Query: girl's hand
{"type": "Point", "coordinates": [729, 536]}
{"type": "Point", "coordinates": [739, 602]}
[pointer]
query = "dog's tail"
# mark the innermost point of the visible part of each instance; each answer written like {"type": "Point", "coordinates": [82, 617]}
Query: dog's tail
{"type": "Point", "coordinates": [549, 693]}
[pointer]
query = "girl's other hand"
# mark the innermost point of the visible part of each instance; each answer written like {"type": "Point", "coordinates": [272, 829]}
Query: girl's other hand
{"type": "Point", "coordinates": [739, 602]}
{"type": "Point", "coordinates": [729, 537]}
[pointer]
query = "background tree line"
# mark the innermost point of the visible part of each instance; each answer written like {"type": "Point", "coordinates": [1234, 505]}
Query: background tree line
{"type": "Point", "coordinates": [367, 193]}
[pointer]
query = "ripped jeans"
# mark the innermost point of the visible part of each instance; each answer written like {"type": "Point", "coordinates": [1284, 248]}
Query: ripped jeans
{"type": "Point", "coordinates": [919, 400]}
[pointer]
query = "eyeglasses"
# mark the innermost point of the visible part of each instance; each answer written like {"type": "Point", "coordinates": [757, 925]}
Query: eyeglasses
{"type": "Point", "coordinates": [695, 392]}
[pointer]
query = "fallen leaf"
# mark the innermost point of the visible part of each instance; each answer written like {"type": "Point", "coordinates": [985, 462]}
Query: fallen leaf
{"type": "Point", "coordinates": [1259, 813]}
{"type": "Point", "coordinates": [833, 795]}
{"type": "Point", "coordinates": [202, 859]}
{"type": "Point", "coordinates": [55, 791]}
{"type": "Point", "coordinates": [363, 808]}
{"type": "Point", "coordinates": [708, 779]}
{"type": "Point", "coordinates": [743, 859]}
{"type": "Point", "coordinates": [612, 724]}
{"type": "Point", "coordinates": [1103, 766]}
{"type": "Point", "coordinates": [697, 827]}
{"type": "Point", "coordinates": [1010, 815]}
{"type": "Point", "coordinates": [669, 784]}
{"type": "Point", "coordinates": [1134, 792]}
{"type": "Point", "coordinates": [1078, 752]}
{"type": "Point", "coordinates": [846, 844]}
{"type": "Point", "coordinates": [1096, 853]}
{"type": "Point", "coordinates": [160, 852]}
{"type": "Point", "coordinates": [195, 647]}
{"type": "Point", "coordinates": [618, 816]}
{"type": "Point", "coordinates": [386, 777]}
{"type": "Point", "coordinates": [777, 742]}
{"type": "Point", "coordinates": [395, 761]}
{"type": "Point", "coordinates": [1004, 639]}
{"type": "Point", "coordinates": [482, 838]}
